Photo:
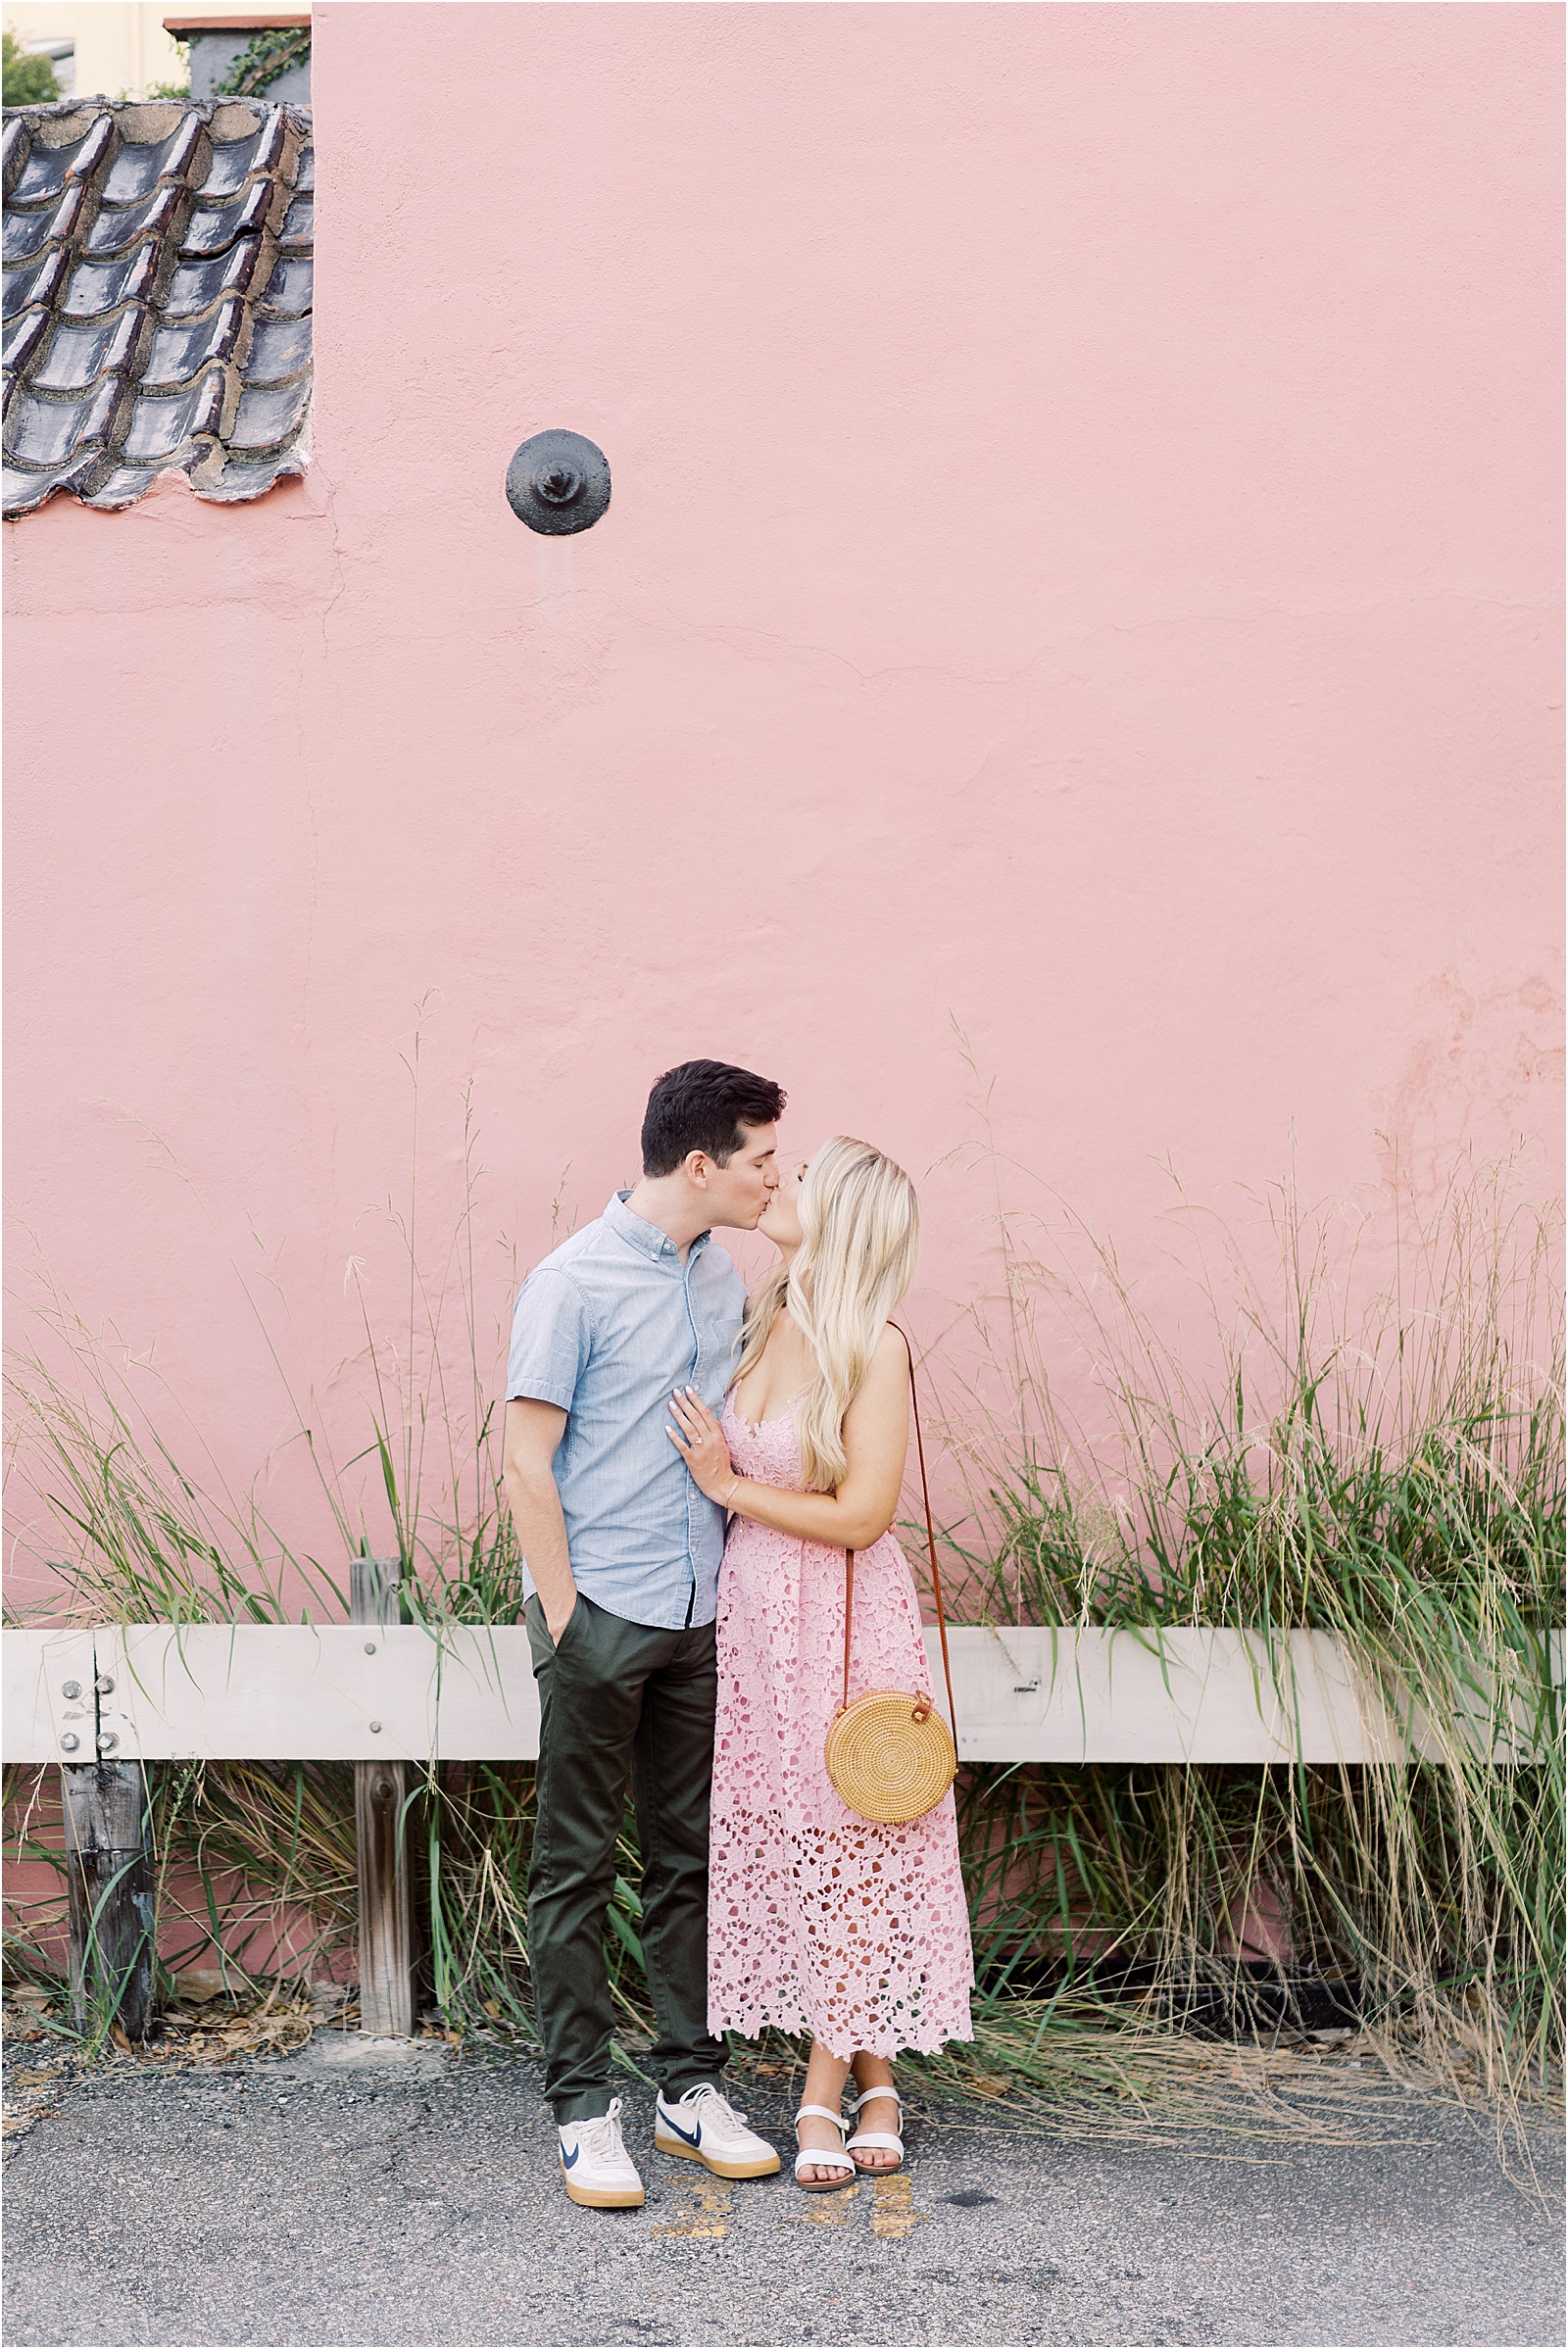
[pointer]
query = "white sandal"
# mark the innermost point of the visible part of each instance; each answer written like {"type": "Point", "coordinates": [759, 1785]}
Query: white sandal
{"type": "Point", "coordinates": [878, 2136]}
{"type": "Point", "coordinates": [812, 2158]}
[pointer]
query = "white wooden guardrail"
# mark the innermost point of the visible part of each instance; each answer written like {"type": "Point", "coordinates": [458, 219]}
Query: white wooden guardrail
{"type": "Point", "coordinates": [358, 1693]}
{"type": "Point", "coordinates": [373, 1693]}
{"type": "Point", "coordinates": [390, 1697]}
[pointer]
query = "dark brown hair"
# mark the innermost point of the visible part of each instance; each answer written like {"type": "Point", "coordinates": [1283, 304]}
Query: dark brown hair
{"type": "Point", "coordinates": [702, 1106]}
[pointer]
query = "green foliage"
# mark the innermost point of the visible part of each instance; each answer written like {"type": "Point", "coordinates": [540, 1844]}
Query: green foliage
{"type": "Point", "coordinates": [1389, 1472]}
{"type": "Point", "coordinates": [264, 59]}
{"type": "Point", "coordinates": [28, 80]}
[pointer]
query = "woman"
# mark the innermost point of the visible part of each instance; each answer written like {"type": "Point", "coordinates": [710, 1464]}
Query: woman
{"type": "Point", "coordinates": [818, 1919]}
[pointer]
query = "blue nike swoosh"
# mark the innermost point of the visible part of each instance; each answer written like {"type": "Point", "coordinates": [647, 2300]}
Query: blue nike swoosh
{"type": "Point", "coordinates": [569, 2161]}
{"type": "Point", "coordinates": [690, 2137]}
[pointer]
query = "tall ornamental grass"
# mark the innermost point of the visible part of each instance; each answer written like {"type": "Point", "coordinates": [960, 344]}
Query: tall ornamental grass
{"type": "Point", "coordinates": [1380, 1460]}
{"type": "Point", "coordinates": [1389, 1471]}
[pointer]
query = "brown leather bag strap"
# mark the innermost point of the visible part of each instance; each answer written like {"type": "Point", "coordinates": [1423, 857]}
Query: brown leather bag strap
{"type": "Point", "coordinates": [931, 1545]}
{"type": "Point", "coordinates": [848, 1616]}
{"type": "Point", "coordinates": [931, 1538]}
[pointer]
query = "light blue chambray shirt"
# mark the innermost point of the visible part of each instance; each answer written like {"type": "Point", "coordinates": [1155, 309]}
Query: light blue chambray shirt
{"type": "Point", "coordinates": [606, 1328]}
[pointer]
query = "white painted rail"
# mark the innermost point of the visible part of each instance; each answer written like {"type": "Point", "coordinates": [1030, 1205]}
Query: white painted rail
{"type": "Point", "coordinates": [360, 1692]}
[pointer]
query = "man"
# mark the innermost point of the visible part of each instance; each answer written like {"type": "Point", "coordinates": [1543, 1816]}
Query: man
{"type": "Point", "coordinates": [623, 1556]}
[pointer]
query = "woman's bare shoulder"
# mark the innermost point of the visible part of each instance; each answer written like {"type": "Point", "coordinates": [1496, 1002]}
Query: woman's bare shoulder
{"type": "Point", "coordinates": [889, 1366]}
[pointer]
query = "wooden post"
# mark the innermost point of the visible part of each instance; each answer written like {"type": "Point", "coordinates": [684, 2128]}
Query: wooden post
{"type": "Point", "coordinates": [380, 1791]}
{"type": "Point", "coordinates": [109, 1877]}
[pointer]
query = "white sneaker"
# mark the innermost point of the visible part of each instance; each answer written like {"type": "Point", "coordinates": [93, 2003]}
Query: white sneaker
{"type": "Point", "coordinates": [596, 2166]}
{"type": "Point", "coordinates": [702, 2126]}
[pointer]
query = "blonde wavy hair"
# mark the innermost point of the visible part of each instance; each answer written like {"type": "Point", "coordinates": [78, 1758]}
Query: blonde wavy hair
{"type": "Point", "coordinates": [860, 1245]}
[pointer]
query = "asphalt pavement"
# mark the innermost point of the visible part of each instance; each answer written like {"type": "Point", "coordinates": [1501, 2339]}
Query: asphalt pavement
{"type": "Point", "coordinates": [344, 2196]}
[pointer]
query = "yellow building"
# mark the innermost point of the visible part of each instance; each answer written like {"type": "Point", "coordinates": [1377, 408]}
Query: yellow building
{"type": "Point", "coordinates": [115, 46]}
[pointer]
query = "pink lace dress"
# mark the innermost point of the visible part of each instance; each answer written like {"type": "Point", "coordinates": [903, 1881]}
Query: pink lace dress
{"type": "Point", "coordinates": [817, 1921]}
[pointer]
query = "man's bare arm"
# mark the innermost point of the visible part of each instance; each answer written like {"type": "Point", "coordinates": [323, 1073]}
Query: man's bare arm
{"type": "Point", "coordinates": [533, 1430]}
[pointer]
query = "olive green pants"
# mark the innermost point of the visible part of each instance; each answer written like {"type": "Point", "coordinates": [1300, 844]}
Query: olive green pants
{"type": "Point", "coordinates": [620, 1699]}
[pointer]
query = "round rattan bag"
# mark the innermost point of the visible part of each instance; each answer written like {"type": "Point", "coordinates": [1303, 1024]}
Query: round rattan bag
{"type": "Point", "coordinates": [890, 1754]}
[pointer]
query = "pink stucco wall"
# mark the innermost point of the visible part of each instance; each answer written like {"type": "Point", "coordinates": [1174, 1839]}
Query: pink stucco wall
{"type": "Point", "coordinates": [1083, 570]}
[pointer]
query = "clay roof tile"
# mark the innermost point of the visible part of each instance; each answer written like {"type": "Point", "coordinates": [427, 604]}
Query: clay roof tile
{"type": "Point", "coordinates": [158, 265]}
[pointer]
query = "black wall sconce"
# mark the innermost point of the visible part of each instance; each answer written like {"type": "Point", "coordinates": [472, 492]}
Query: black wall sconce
{"type": "Point", "coordinates": [557, 482]}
